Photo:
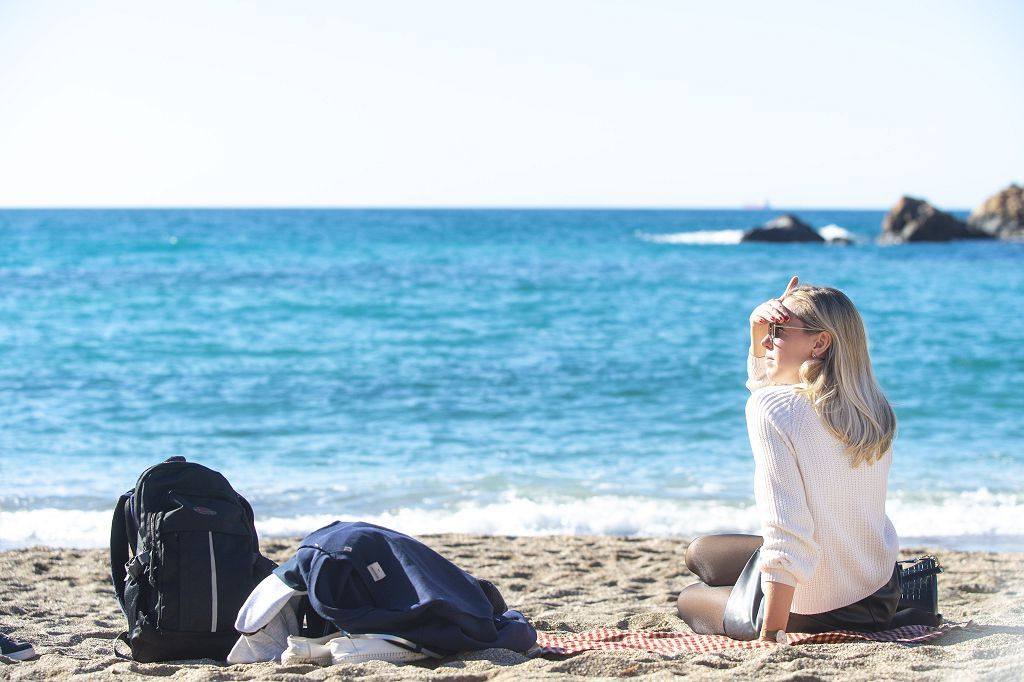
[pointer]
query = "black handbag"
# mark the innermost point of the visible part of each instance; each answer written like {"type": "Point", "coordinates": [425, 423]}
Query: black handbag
{"type": "Point", "coordinates": [919, 584]}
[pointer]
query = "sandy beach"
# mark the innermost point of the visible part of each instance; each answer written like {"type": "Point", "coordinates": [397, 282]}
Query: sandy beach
{"type": "Point", "coordinates": [61, 601]}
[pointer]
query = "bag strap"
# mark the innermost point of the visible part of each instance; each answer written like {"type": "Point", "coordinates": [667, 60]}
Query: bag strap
{"type": "Point", "coordinates": [121, 637]}
{"type": "Point", "coordinates": [251, 516]}
{"type": "Point", "coordinates": [119, 546]}
{"type": "Point", "coordinates": [262, 565]}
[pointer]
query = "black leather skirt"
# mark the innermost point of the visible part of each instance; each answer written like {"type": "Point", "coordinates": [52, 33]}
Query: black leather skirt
{"type": "Point", "coordinates": [744, 612]}
{"type": "Point", "coordinates": [871, 614]}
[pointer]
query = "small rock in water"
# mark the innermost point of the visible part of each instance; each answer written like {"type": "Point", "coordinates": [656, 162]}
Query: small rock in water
{"type": "Point", "coordinates": [786, 228]}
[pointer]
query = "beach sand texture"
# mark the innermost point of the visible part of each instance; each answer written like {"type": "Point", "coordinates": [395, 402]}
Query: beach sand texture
{"type": "Point", "coordinates": [61, 600]}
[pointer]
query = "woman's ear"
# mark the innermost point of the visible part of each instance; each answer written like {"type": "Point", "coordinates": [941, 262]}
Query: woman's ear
{"type": "Point", "coordinates": [822, 344]}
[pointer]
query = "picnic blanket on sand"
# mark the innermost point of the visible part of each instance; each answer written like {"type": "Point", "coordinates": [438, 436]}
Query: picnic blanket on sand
{"type": "Point", "coordinates": [611, 639]}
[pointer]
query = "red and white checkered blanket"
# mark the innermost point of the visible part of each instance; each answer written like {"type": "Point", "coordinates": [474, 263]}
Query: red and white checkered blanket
{"type": "Point", "coordinates": [610, 639]}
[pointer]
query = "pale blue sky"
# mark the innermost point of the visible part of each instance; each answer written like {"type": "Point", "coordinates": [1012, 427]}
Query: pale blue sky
{"type": "Point", "coordinates": [476, 103]}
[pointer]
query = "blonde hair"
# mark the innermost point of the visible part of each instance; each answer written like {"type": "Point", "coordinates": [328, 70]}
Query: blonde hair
{"type": "Point", "coordinates": [841, 384]}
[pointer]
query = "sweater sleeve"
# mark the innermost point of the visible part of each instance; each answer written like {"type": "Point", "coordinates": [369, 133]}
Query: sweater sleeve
{"type": "Point", "coordinates": [789, 554]}
{"type": "Point", "coordinates": [757, 373]}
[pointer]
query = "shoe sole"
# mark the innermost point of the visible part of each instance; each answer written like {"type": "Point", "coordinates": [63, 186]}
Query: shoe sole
{"type": "Point", "coordinates": [22, 655]}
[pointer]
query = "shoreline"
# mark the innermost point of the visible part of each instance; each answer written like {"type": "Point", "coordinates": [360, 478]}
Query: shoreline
{"type": "Point", "coordinates": [61, 601]}
{"type": "Point", "coordinates": [981, 521]}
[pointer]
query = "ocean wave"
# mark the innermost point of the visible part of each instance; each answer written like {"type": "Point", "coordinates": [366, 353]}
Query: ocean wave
{"type": "Point", "coordinates": [514, 515]}
{"type": "Point", "coordinates": [726, 237]}
{"type": "Point", "coordinates": [976, 519]}
{"type": "Point", "coordinates": [829, 233]}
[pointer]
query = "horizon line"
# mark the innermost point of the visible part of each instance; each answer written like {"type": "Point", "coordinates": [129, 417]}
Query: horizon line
{"type": "Point", "coordinates": [482, 207]}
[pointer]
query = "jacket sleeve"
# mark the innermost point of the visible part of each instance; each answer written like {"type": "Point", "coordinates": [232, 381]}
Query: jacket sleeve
{"type": "Point", "coordinates": [789, 554]}
{"type": "Point", "coordinates": [757, 374]}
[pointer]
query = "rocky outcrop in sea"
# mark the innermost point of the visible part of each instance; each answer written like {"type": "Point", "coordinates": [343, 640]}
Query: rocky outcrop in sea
{"type": "Point", "coordinates": [915, 220]}
{"type": "Point", "coordinates": [785, 228]}
{"type": "Point", "coordinates": [1001, 215]}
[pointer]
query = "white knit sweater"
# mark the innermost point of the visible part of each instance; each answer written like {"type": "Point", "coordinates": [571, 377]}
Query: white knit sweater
{"type": "Point", "coordinates": [823, 521]}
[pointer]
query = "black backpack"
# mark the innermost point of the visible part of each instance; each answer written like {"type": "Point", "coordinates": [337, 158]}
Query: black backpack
{"type": "Point", "coordinates": [194, 560]}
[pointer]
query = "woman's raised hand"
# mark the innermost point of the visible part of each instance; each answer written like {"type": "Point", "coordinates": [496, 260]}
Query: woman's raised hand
{"type": "Point", "coordinates": [772, 309]}
{"type": "Point", "coordinates": [769, 311]}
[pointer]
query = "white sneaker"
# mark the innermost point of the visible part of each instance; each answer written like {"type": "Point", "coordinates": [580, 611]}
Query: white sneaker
{"type": "Point", "coordinates": [339, 647]}
{"type": "Point", "coordinates": [359, 648]}
{"type": "Point", "coordinates": [309, 649]}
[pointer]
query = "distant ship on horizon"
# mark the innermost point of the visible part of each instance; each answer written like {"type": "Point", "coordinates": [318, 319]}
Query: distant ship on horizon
{"type": "Point", "coordinates": [763, 206]}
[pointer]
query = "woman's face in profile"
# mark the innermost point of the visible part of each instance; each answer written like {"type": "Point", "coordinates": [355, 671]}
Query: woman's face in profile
{"type": "Point", "coordinates": [786, 347]}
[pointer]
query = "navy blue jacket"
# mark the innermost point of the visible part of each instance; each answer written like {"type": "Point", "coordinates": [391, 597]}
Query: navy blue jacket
{"type": "Point", "coordinates": [364, 578]}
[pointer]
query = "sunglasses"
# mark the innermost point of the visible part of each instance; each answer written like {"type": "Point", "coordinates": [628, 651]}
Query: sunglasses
{"type": "Point", "coordinates": [775, 330]}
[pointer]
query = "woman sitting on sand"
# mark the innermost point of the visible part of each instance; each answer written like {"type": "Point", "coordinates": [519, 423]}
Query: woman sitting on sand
{"type": "Point", "coordinates": [821, 431]}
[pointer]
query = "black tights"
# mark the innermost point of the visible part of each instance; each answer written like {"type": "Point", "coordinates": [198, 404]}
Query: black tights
{"type": "Point", "coordinates": [718, 561]}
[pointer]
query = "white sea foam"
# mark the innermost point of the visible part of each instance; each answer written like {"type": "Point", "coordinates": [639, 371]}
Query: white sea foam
{"type": "Point", "coordinates": [699, 237]}
{"type": "Point", "coordinates": [514, 515]}
{"type": "Point", "coordinates": [976, 519]}
{"type": "Point", "coordinates": [729, 237]}
{"type": "Point", "coordinates": [54, 528]}
{"type": "Point", "coordinates": [834, 232]}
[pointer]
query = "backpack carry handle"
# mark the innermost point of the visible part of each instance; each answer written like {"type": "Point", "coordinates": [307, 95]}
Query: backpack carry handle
{"type": "Point", "coordinates": [119, 543]}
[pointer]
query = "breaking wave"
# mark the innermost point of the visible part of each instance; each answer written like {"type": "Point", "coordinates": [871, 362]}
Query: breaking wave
{"type": "Point", "coordinates": [829, 233]}
{"type": "Point", "coordinates": [977, 519]}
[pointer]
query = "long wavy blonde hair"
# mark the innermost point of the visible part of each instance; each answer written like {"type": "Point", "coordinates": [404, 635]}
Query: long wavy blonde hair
{"type": "Point", "coordinates": [841, 384]}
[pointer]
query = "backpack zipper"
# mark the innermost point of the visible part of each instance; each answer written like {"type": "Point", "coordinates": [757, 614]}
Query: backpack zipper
{"type": "Point", "coordinates": [213, 587]}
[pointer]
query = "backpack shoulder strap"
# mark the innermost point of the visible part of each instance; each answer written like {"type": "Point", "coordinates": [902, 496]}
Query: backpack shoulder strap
{"type": "Point", "coordinates": [262, 566]}
{"type": "Point", "coordinates": [251, 518]}
{"type": "Point", "coordinates": [119, 545]}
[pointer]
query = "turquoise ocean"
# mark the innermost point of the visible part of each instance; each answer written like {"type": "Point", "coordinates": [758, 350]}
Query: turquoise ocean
{"type": "Point", "coordinates": [482, 371]}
